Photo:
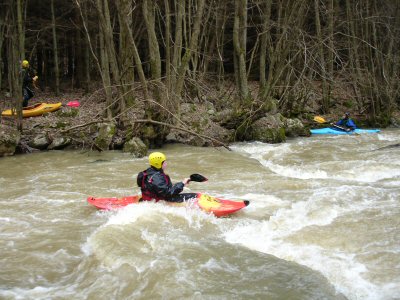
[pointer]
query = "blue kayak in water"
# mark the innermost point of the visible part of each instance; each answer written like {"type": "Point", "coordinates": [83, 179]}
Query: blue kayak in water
{"type": "Point", "coordinates": [330, 130]}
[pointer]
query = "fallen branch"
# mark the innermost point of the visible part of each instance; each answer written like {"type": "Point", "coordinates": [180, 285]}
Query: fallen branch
{"type": "Point", "coordinates": [83, 125]}
{"type": "Point", "coordinates": [156, 123]}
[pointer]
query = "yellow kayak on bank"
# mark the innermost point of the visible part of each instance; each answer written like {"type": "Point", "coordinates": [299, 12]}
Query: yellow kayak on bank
{"type": "Point", "coordinates": [34, 110]}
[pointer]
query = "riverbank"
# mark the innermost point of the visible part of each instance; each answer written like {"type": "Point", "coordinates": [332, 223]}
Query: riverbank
{"type": "Point", "coordinates": [205, 121]}
{"type": "Point", "coordinates": [200, 124]}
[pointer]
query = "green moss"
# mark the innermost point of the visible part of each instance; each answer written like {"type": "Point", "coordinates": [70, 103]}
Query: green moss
{"type": "Point", "coordinates": [270, 135]}
{"type": "Point", "coordinates": [148, 132]}
{"type": "Point", "coordinates": [61, 124]}
{"type": "Point", "coordinates": [204, 122]}
{"type": "Point", "coordinates": [129, 133]}
{"type": "Point", "coordinates": [112, 130]}
{"type": "Point", "coordinates": [130, 101]}
{"type": "Point", "coordinates": [68, 112]}
{"type": "Point", "coordinates": [348, 103]}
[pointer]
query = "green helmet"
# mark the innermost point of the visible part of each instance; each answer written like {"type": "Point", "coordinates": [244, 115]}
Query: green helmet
{"type": "Point", "coordinates": [156, 159]}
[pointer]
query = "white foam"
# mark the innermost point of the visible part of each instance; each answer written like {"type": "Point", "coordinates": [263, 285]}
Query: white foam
{"type": "Point", "coordinates": [340, 268]}
{"type": "Point", "coordinates": [303, 172]}
{"type": "Point", "coordinates": [131, 213]}
{"type": "Point", "coordinates": [338, 177]}
{"type": "Point", "coordinates": [389, 136]}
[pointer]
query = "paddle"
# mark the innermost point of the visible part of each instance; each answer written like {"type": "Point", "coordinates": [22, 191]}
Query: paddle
{"type": "Point", "coordinates": [340, 127]}
{"type": "Point", "coordinates": [197, 178]}
{"type": "Point", "coordinates": [321, 120]}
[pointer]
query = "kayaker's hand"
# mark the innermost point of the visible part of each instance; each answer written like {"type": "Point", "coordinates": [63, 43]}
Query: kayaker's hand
{"type": "Point", "coordinates": [348, 129]}
{"type": "Point", "coordinates": [186, 181]}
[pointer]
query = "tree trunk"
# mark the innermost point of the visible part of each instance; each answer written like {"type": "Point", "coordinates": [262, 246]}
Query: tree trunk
{"type": "Point", "coordinates": [239, 44]}
{"type": "Point", "coordinates": [153, 47]}
{"type": "Point", "coordinates": [3, 26]}
{"type": "Point", "coordinates": [102, 65]}
{"type": "Point", "coordinates": [193, 46]}
{"type": "Point", "coordinates": [353, 53]}
{"type": "Point", "coordinates": [126, 24]}
{"type": "Point", "coordinates": [331, 50]}
{"type": "Point", "coordinates": [325, 96]}
{"type": "Point", "coordinates": [126, 51]}
{"type": "Point", "coordinates": [19, 54]}
{"type": "Point", "coordinates": [86, 44]}
{"type": "Point", "coordinates": [55, 49]}
{"type": "Point", "coordinates": [168, 35]}
{"type": "Point", "coordinates": [105, 70]}
{"type": "Point", "coordinates": [264, 43]}
{"type": "Point", "coordinates": [177, 53]}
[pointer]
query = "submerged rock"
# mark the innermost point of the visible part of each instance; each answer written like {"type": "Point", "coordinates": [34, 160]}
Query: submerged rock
{"type": "Point", "coordinates": [136, 147]}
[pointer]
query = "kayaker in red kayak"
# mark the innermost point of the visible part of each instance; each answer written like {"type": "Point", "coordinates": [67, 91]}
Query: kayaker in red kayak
{"type": "Point", "coordinates": [157, 185]}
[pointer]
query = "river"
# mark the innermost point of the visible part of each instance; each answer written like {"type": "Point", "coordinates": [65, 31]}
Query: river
{"type": "Point", "coordinates": [323, 223]}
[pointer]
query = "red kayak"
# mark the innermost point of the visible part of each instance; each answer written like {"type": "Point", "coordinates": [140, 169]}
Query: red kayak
{"type": "Point", "coordinates": [219, 207]}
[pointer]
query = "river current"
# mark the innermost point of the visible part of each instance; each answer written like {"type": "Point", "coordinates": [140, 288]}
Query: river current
{"type": "Point", "coordinates": [323, 223]}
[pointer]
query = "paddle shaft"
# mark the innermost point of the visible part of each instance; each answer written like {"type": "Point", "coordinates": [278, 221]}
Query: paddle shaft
{"type": "Point", "coordinates": [341, 128]}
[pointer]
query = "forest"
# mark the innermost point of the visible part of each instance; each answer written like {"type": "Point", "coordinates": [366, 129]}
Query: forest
{"type": "Point", "coordinates": [248, 54]}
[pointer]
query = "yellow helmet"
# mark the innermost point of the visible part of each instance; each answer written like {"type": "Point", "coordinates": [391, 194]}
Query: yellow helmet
{"type": "Point", "coordinates": [156, 159]}
{"type": "Point", "coordinates": [25, 63]}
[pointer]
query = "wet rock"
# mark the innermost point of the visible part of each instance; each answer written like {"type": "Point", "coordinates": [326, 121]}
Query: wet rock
{"type": "Point", "coordinates": [9, 139]}
{"type": "Point", "coordinates": [136, 147]}
{"type": "Point", "coordinates": [117, 142]}
{"type": "Point", "coordinates": [223, 116]}
{"type": "Point", "coordinates": [23, 147]}
{"type": "Point", "coordinates": [389, 147]}
{"type": "Point", "coordinates": [395, 122]}
{"type": "Point", "coordinates": [198, 119]}
{"type": "Point", "coordinates": [269, 129]}
{"type": "Point", "coordinates": [40, 141]}
{"type": "Point", "coordinates": [59, 143]}
{"type": "Point", "coordinates": [106, 132]}
{"type": "Point", "coordinates": [294, 128]}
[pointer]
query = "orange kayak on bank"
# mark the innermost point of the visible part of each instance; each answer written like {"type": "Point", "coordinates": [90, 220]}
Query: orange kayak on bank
{"type": "Point", "coordinates": [34, 110]}
{"type": "Point", "coordinates": [217, 206]}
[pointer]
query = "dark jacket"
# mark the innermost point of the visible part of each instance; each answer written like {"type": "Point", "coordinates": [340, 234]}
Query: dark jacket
{"type": "Point", "coordinates": [155, 184]}
{"type": "Point", "coordinates": [349, 123]}
{"type": "Point", "coordinates": [27, 78]}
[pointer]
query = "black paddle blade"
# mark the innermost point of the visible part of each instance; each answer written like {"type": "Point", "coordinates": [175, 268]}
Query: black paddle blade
{"type": "Point", "coordinates": [197, 178]}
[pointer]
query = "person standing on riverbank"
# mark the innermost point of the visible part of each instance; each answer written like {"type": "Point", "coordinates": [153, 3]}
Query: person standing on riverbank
{"type": "Point", "coordinates": [27, 80]}
{"type": "Point", "coordinates": [157, 185]}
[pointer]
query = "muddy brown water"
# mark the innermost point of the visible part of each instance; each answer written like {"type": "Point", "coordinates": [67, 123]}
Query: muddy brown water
{"type": "Point", "coordinates": [323, 223]}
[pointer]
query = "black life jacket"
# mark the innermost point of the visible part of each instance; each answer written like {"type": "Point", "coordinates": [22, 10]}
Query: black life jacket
{"type": "Point", "coordinates": [147, 188]}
